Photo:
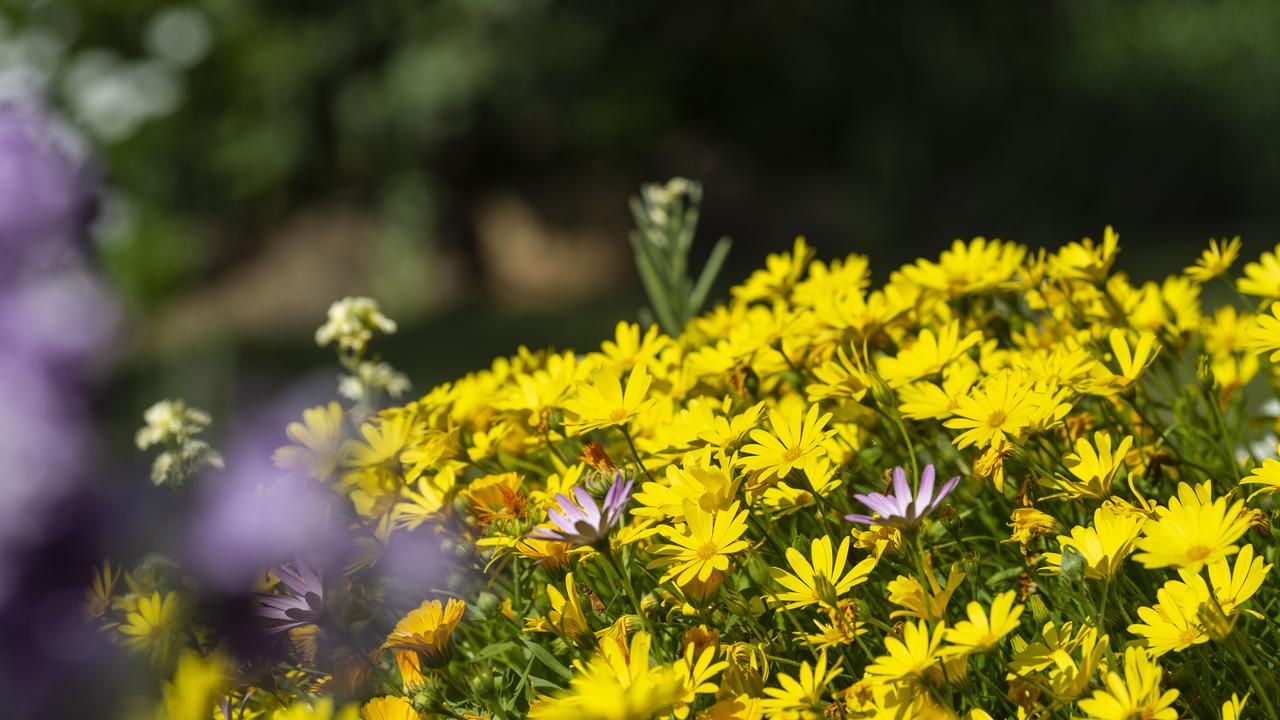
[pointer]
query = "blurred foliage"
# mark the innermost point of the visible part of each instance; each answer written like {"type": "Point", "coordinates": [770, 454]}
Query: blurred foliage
{"type": "Point", "coordinates": [917, 121]}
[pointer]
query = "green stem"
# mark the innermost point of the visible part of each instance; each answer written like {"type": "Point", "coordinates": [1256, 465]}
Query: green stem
{"type": "Point", "coordinates": [626, 433]}
{"type": "Point", "coordinates": [1234, 645]}
{"type": "Point", "coordinates": [625, 579]}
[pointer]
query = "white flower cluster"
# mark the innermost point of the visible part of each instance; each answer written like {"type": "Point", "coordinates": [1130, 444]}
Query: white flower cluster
{"type": "Point", "coordinates": [351, 323]}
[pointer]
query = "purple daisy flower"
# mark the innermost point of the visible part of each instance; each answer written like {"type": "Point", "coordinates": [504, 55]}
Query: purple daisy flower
{"type": "Point", "coordinates": [583, 522]}
{"type": "Point", "coordinates": [303, 604]}
{"type": "Point", "coordinates": [901, 509]}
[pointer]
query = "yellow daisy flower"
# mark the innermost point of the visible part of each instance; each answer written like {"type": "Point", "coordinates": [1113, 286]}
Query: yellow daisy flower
{"type": "Point", "coordinates": [617, 683]}
{"type": "Point", "coordinates": [1233, 708]}
{"type": "Point", "coordinates": [794, 442]}
{"type": "Point", "coordinates": [927, 356]}
{"type": "Point", "coordinates": [427, 630]}
{"type": "Point", "coordinates": [152, 627]}
{"type": "Point", "coordinates": [696, 673]}
{"type": "Point", "coordinates": [1235, 584]}
{"type": "Point", "coordinates": [838, 379]}
{"type": "Point", "coordinates": [317, 448]}
{"type": "Point", "coordinates": [1262, 278]}
{"type": "Point", "coordinates": [566, 614]}
{"type": "Point", "coordinates": [322, 709]}
{"type": "Point", "coordinates": [1171, 625]}
{"type": "Point", "coordinates": [628, 348]}
{"type": "Point", "coordinates": [1215, 261]}
{"type": "Point", "coordinates": [905, 592]}
{"type": "Point", "coordinates": [1003, 405]}
{"type": "Point", "coordinates": [605, 403]}
{"type": "Point", "coordinates": [800, 698]}
{"type": "Point", "coordinates": [1264, 335]}
{"type": "Point", "coordinates": [1131, 362]}
{"type": "Point", "coordinates": [910, 657]}
{"type": "Point", "coordinates": [1092, 466]}
{"type": "Point", "coordinates": [822, 581]}
{"type": "Point", "coordinates": [703, 547]}
{"type": "Point", "coordinates": [1193, 531]}
{"type": "Point", "coordinates": [196, 686]}
{"type": "Point", "coordinates": [389, 708]}
{"type": "Point", "coordinates": [1268, 476]}
{"type": "Point", "coordinates": [1134, 694]}
{"type": "Point", "coordinates": [982, 631]}
{"type": "Point", "coordinates": [980, 266]}
{"type": "Point", "coordinates": [1085, 260]}
{"type": "Point", "coordinates": [1103, 546]}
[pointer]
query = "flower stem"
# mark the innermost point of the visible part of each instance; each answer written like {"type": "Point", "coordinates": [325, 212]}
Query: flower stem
{"type": "Point", "coordinates": [625, 579]}
{"type": "Point", "coordinates": [626, 433]}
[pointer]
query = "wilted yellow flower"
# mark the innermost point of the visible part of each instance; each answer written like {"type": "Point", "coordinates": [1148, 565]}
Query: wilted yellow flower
{"type": "Point", "coordinates": [1027, 523]}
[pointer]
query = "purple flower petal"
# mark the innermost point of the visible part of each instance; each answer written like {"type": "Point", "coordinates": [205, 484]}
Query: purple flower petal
{"type": "Point", "coordinates": [946, 490]}
{"type": "Point", "coordinates": [925, 495]}
{"type": "Point", "coordinates": [902, 509]}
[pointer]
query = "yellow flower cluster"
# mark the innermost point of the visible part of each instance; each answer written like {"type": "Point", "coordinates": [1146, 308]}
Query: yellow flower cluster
{"type": "Point", "coordinates": [712, 525]}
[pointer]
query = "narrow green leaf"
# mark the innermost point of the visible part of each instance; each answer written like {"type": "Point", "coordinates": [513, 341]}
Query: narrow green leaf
{"type": "Point", "coordinates": [547, 659]}
{"type": "Point", "coordinates": [709, 273]}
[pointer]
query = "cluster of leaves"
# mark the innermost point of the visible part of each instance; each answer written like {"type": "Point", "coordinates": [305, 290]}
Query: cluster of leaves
{"type": "Point", "coordinates": [747, 519]}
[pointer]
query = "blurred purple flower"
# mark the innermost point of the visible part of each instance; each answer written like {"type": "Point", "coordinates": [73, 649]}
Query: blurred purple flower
{"type": "Point", "coordinates": [47, 190]}
{"type": "Point", "coordinates": [902, 509]}
{"type": "Point", "coordinates": [301, 604]}
{"type": "Point", "coordinates": [583, 522]}
{"type": "Point", "coordinates": [251, 516]}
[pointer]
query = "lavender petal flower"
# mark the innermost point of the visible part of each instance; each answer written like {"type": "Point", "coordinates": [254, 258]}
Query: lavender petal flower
{"type": "Point", "coordinates": [904, 509]}
{"type": "Point", "coordinates": [580, 521]}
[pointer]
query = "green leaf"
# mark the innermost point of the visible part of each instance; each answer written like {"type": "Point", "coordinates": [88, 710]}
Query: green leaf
{"type": "Point", "coordinates": [492, 650]}
{"type": "Point", "coordinates": [547, 659]}
{"type": "Point", "coordinates": [709, 273]}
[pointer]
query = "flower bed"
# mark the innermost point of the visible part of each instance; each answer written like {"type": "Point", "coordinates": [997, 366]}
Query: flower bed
{"type": "Point", "coordinates": [1006, 483]}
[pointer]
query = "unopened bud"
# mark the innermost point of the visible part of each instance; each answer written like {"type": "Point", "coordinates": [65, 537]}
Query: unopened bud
{"type": "Point", "coordinates": [1039, 610]}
